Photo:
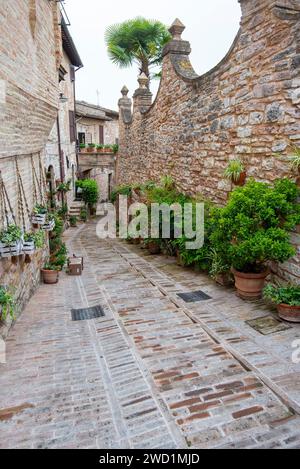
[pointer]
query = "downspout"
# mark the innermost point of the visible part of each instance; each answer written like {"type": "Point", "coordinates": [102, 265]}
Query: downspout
{"type": "Point", "coordinates": [61, 162]}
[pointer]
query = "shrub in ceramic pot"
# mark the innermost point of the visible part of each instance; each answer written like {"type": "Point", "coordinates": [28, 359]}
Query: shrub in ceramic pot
{"type": "Point", "coordinates": [255, 226]}
{"type": "Point", "coordinates": [7, 304]}
{"type": "Point", "coordinates": [50, 273]}
{"type": "Point", "coordinates": [287, 300]}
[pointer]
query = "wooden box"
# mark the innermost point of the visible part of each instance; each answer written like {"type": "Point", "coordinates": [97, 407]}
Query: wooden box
{"type": "Point", "coordinates": [75, 265]}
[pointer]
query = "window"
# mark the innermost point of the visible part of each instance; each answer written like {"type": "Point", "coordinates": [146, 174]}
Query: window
{"type": "Point", "coordinates": [72, 73]}
{"type": "Point", "coordinates": [101, 135]}
{"type": "Point", "coordinates": [81, 138]}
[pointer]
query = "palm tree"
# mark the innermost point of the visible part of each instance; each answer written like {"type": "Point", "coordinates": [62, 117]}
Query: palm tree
{"type": "Point", "coordinates": [139, 41]}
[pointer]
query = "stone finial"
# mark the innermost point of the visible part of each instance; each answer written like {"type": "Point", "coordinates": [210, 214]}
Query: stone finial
{"type": "Point", "coordinates": [143, 81]}
{"type": "Point", "coordinates": [124, 91]}
{"type": "Point", "coordinates": [177, 29]}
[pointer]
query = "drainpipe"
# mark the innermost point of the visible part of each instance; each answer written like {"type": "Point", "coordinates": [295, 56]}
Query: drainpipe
{"type": "Point", "coordinates": [61, 161]}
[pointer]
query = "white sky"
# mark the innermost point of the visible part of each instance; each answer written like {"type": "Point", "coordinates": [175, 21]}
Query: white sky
{"type": "Point", "coordinates": [210, 27]}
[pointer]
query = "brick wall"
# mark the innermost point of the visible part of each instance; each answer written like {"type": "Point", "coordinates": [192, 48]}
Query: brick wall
{"type": "Point", "coordinates": [29, 60]}
{"type": "Point", "coordinates": [248, 106]}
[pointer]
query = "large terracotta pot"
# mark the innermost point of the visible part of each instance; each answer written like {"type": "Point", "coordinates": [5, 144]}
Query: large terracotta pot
{"type": "Point", "coordinates": [153, 247]}
{"type": "Point", "coordinates": [250, 286]}
{"type": "Point", "coordinates": [289, 313]}
{"type": "Point", "coordinates": [50, 276]}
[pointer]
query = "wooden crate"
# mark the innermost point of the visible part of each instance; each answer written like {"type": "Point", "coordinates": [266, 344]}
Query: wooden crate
{"type": "Point", "coordinates": [75, 265]}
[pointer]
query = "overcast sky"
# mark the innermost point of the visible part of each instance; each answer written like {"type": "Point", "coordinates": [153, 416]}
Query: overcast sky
{"type": "Point", "coordinates": [210, 27]}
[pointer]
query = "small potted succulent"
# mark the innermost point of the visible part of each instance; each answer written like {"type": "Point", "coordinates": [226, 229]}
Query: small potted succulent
{"type": "Point", "coordinates": [39, 214]}
{"type": "Point", "coordinates": [235, 172]}
{"type": "Point", "coordinates": [50, 273]}
{"type": "Point", "coordinates": [287, 300]}
{"type": "Point", "coordinates": [11, 241]}
{"type": "Point", "coordinates": [7, 304]}
{"type": "Point", "coordinates": [73, 221]}
{"type": "Point", "coordinates": [91, 147]}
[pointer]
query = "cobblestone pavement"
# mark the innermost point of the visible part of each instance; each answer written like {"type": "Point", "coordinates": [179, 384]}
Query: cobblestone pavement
{"type": "Point", "coordinates": [154, 372]}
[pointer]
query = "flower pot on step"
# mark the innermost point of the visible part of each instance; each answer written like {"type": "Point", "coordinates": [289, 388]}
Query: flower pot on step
{"type": "Point", "coordinates": [50, 276]}
{"type": "Point", "coordinates": [250, 286]}
{"type": "Point", "coordinates": [289, 313]}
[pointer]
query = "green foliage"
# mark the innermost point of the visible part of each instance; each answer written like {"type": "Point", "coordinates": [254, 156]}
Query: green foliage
{"type": "Point", "coordinates": [50, 266]}
{"type": "Point", "coordinates": [90, 191]}
{"type": "Point", "coordinates": [63, 211]}
{"type": "Point", "coordinates": [11, 235]}
{"type": "Point", "coordinates": [82, 146]}
{"type": "Point", "coordinates": [64, 187]}
{"type": "Point", "coordinates": [121, 190]}
{"type": "Point", "coordinates": [139, 41]}
{"type": "Point", "coordinates": [73, 220]}
{"type": "Point", "coordinates": [253, 227]}
{"type": "Point", "coordinates": [288, 295]}
{"type": "Point", "coordinates": [40, 209]}
{"type": "Point", "coordinates": [83, 215]}
{"type": "Point", "coordinates": [234, 170]}
{"type": "Point", "coordinates": [115, 148]}
{"type": "Point", "coordinates": [295, 159]}
{"type": "Point", "coordinates": [91, 145]}
{"type": "Point", "coordinates": [100, 147]}
{"type": "Point", "coordinates": [7, 304]}
{"type": "Point", "coordinates": [38, 237]}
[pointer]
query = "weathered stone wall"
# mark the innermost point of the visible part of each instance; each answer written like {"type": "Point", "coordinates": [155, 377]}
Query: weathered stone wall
{"type": "Point", "coordinates": [91, 126]}
{"type": "Point", "coordinates": [29, 61]}
{"type": "Point", "coordinates": [248, 107]}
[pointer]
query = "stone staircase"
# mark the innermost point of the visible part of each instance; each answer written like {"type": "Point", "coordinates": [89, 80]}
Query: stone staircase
{"type": "Point", "coordinates": [75, 208]}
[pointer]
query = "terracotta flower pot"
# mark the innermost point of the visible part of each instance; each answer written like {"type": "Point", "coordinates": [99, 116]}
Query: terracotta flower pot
{"type": "Point", "coordinates": [250, 286]}
{"type": "Point", "coordinates": [242, 179]}
{"type": "Point", "coordinates": [153, 248]}
{"type": "Point", "coordinates": [289, 313]}
{"type": "Point", "coordinates": [50, 276]}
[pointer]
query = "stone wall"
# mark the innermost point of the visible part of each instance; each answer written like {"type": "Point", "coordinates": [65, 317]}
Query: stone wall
{"type": "Point", "coordinates": [247, 107]}
{"type": "Point", "coordinates": [29, 61]}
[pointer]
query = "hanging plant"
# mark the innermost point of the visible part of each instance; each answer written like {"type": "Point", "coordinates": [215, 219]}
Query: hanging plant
{"type": "Point", "coordinates": [64, 187]}
{"type": "Point", "coordinates": [39, 215]}
{"type": "Point", "coordinates": [11, 241]}
{"type": "Point", "coordinates": [7, 304]}
{"type": "Point", "coordinates": [33, 241]}
{"type": "Point", "coordinates": [49, 224]}
{"type": "Point", "coordinates": [235, 172]}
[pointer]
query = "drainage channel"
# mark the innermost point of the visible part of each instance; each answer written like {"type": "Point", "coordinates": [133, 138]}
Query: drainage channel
{"type": "Point", "coordinates": [281, 395]}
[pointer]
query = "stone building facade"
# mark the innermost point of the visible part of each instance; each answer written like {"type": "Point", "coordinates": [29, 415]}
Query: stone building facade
{"type": "Point", "coordinates": [247, 107]}
{"type": "Point", "coordinates": [96, 124]}
{"type": "Point", "coordinates": [30, 64]}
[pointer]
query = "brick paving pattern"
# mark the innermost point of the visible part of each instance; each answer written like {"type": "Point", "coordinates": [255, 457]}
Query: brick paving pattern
{"type": "Point", "coordinates": [154, 372]}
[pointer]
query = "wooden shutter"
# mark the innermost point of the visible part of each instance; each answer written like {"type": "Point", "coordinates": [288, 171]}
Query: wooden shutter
{"type": "Point", "coordinates": [101, 135]}
{"type": "Point", "coordinates": [72, 126]}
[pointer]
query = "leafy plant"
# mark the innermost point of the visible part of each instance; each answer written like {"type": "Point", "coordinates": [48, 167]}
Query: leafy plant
{"type": "Point", "coordinates": [82, 146]}
{"type": "Point", "coordinates": [7, 303]}
{"type": "Point", "coordinates": [288, 295]}
{"type": "Point", "coordinates": [40, 209]}
{"type": "Point", "coordinates": [295, 159]}
{"type": "Point", "coordinates": [50, 266]}
{"type": "Point", "coordinates": [73, 220]}
{"type": "Point", "coordinates": [90, 191]}
{"type": "Point", "coordinates": [100, 147]}
{"type": "Point", "coordinates": [139, 41]}
{"type": "Point", "coordinates": [253, 227]}
{"type": "Point", "coordinates": [64, 187]}
{"type": "Point", "coordinates": [63, 211]}
{"type": "Point", "coordinates": [234, 170]}
{"type": "Point", "coordinates": [115, 148]}
{"type": "Point", "coordinates": [11, 235]}
{"type": "Point", "coordinates": [92, 145]}
{"type": "Point", "coordinates": [83, 215]}
{"type": "Point", "coordinates": [121, 190]}
{"type": "Point", "coordinates": [37, 237]}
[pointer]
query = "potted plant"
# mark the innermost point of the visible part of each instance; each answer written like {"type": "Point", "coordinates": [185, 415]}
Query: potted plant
{"type": "Point", "coordinates": [254, 229]}
{"type": "Point", "coordinates": [83, 215]}
{"type": "Point", "coordinates": [153, 245]}
{"type": "Point", "coordinates": [82, 147]}
{"type": "Point", "coordinates": [49, 224]}
{"type": "Point", "coordinates": [64, 187]}
{"type": "Point", "coordinates": [91, 147]}
{"type": "Point", "coordinates": [100, 148]}
{"type": "Point", "coordinates": [108, 149]}
{"type": "Point", "coordinates": [287, 300]}
{"type": "Point", "coordinates": [73, 221]}
{"type": "Point", "coordinates": [7, 304]}
{"type": "Point", "coordinates": [115, 148]}
{"type": "Point", "coordinates": [220, 268]}
{"type": "Point", "coordinates": [236, 173]}
{"type": "Point", "coordinates": [11, 241]}
{"type": "Point", "coordinates": [50, 273]}
{"type": "Point", "coordinates": [39, 214]}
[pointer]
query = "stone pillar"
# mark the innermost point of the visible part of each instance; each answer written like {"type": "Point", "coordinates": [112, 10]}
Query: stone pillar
{"type": "Point", "coordinates": [177, 45]}
{"type": "Point", "coordinates": [125, 107]}
{"type": "Point", "coordinates": [142, 98]}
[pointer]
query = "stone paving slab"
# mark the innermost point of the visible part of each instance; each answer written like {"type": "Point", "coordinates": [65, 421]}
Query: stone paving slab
{"type": "Point", "coordinates": [147, 375]}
